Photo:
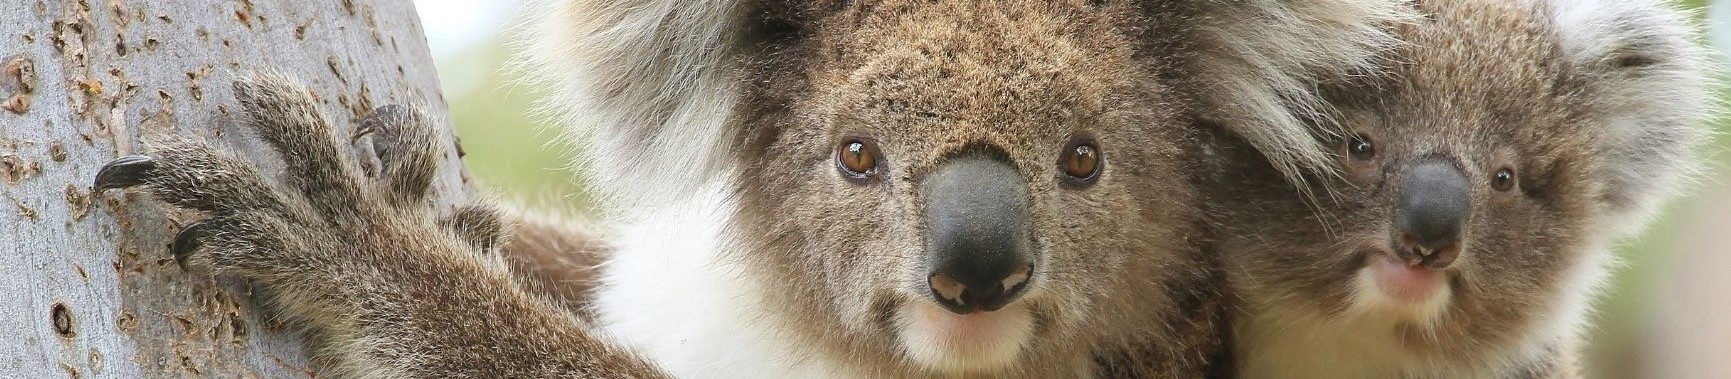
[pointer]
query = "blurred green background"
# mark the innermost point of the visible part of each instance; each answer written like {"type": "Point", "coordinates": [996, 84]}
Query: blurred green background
{"type": "Point", "coordinates": [1664, 314]}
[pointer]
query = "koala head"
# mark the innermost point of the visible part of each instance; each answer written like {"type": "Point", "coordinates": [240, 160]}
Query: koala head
{"type": "Point", "coordinates": [948, 187]}
{"type": "Point", "coordinates": [1482, 178]}
{"type": "Point", "coordinates": [963, 185]}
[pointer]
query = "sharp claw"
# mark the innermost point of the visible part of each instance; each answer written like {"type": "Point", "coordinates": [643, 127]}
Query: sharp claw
{"type": "Point", "coordinates": [187, 241]}
{"type": "Point", "coordinates": [124, 172]}
{"type": "Point", "coordinates": [370, 123]}
{"type": "Point", "coordinates": [362, 131]}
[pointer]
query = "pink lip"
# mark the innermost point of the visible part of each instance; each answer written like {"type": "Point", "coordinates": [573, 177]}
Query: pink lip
{"type": "Point", "coordinates": [964, 330]}
{"type": "Point", "coordinates": [969, 342]}
{"type": "Point", "coordinates": [1405, 282]}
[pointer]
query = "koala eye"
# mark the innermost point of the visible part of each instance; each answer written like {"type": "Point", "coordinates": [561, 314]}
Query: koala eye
{"type": "Point", "coordinates": [858, 158]}
{"type": "Point", "coordinates": [1359, 147]}
{"type": "Point", "coordinates": [1503, 180]}
{"type": "Point", "coordinates": [1081, 162]}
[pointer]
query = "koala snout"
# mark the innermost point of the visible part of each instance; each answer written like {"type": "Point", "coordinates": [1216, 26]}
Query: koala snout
{"type": "Point", "coordinates": [1435, 201]}
{"type": "Point", "coordinates": [978, 249]}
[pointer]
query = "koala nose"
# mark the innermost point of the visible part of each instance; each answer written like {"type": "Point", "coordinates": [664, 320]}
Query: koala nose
{"type": "Point", "coordinates": [1432, 214]}
{"type": "Point", "coordinates": [977, 242]}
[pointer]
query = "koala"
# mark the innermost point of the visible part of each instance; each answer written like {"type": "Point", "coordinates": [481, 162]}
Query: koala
{"type": "Point", "coordinates": [795, 189]}
{"type": "Point", "coordinates": [919, 188]}
{"type": "Point", "coordinates": [1484, 175]}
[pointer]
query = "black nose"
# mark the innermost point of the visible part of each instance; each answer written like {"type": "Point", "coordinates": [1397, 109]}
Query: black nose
{"type": "Point", "coordinates": [977, 240]}
{"type": "Point", "coordinates": [1434, 204]}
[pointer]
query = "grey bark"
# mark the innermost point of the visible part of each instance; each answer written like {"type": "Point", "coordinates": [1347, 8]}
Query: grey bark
{"type": "Point", "coordinates": [87, 287]}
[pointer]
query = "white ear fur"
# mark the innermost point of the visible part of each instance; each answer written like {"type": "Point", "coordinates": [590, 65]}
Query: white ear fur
{"type": "Point", "coordinates": [1263, 59]}
{"type": "Point", "coordinates": [641, 90]}
{"type": "Point", "coordinates": [1652, 92]}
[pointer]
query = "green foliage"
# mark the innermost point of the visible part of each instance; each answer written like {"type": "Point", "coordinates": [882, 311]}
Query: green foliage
{"type": "Point", "coordinates": [507, 149]}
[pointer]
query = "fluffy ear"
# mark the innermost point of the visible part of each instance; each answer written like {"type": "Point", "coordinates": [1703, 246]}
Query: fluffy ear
{"type": "Point", "coordinates": [642, 88]}
{"type": "Point", "coordinates": [1259, 63]}
{"type": "Point", "coordinates": [1652, 93]}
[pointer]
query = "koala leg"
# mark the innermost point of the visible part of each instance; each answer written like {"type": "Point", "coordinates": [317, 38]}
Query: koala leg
{"type": "Point", "coordinates": [382, 288]}
{"type": "Point", "coordinates": [556, 257]}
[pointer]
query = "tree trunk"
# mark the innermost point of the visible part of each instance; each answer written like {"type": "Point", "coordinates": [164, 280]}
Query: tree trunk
{"type": "Point", "coordinates": [87, 286]}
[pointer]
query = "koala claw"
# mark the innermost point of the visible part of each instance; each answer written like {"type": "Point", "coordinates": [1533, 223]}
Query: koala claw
{"type": "Point", "coordinates": [124, 172]}
{"type": "Point", "coordinates": [407, 149]}
{"type": "Point", "coordinates": [187, 241]}
{"type": "Point", "coordinates": [365, 129]}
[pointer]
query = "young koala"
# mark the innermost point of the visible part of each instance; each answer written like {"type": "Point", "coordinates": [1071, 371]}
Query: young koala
{"type": "Point", "coordinates": [798, 189]}
{"type": "Point", "coordinates": [1481, 184]}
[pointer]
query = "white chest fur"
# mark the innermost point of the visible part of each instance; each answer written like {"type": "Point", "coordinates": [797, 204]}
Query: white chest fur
{"type": "Point", "coordinates": [1284, 344]}
{"type": "Point", "coordinates": [670, 293]}
{"type": "Point", "coordinates": [1275, 340]}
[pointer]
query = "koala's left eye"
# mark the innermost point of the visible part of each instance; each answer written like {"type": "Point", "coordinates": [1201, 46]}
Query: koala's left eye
{"type": "Point", "coordinates": [1081, 162]}
{"type": "Point", "coordinates": [1359, 148]}
{"type": "Point", "coordinates": [1503, 180]}
{"type": "Point", "coordinates": [858, 158]}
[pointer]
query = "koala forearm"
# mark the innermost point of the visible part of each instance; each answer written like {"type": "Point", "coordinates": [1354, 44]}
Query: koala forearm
{"type": "Point", "coordinates": [455, 317]}
{"type": "Point", "coordinates": [359, 262]}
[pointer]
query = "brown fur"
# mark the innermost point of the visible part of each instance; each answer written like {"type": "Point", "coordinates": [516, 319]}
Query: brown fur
{"type": "Point", "coordinates": [638, 86]}
{"type": "Point", "coordinates": [557, 257]}
{"type": "Point", "coordinates": [1485, 84]}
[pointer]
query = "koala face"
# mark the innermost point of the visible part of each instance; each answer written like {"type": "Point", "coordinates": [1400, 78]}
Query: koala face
{"type": "Point", "coordinates": [1477, 184]}
{"type": "Point", "coordinates": [963, 187]}
{"type": "Point", "coordinates": [1459, 225]}
{"type": "Point", "coordinates": [1464, 208]}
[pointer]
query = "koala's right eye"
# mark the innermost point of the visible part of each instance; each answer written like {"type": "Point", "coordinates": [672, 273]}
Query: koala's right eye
{"type": "Point", "coordinates": [1359, 147]}
{"type": "Point", "coordinates": [858, 158]}
{"type": "Point", "coordinates": [1081, 162]}
{"type": "Point", "coordinates": [1504, 179]}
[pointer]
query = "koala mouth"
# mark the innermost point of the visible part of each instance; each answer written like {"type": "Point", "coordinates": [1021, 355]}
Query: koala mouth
{"type": "Point", "coordinates": [1388, 282]}
{"type": "Point", "coordinates": [962, 343]}
{"type": "Point", "coordinates": [1402, 281]}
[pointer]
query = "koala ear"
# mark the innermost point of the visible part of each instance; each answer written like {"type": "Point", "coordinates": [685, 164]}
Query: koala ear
{"type": "Point", "coordinates": [1651, 92]}
{"type": "Point", "coordinates": [641, 88]}
{"type": "Point", "coordinates": [1259, 64]}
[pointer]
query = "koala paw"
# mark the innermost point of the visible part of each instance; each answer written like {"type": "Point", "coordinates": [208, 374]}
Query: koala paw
{"type": "Point", "coordinates": [326, 218]}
